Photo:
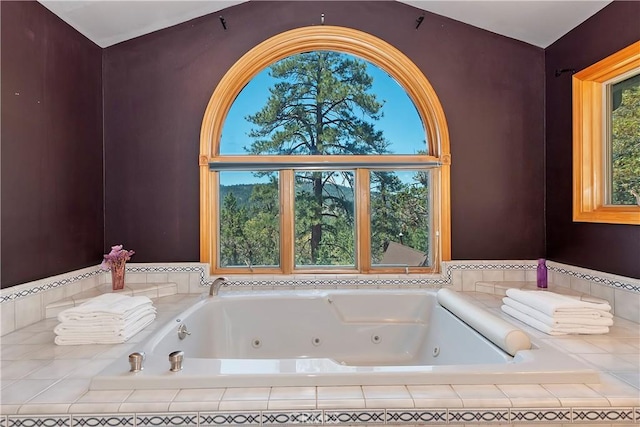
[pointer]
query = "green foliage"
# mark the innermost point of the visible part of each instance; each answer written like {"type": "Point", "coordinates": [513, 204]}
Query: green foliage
{"type": "Point", "coordinates": [320, 105]}
{"type": "Point", "coordinates": [625, 150]}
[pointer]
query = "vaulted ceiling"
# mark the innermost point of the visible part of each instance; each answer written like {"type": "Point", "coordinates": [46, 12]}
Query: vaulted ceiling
{"type": "Point", "coordinates": [539, 23]}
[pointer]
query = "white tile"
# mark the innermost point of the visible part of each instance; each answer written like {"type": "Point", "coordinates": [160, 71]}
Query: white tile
{"type": "Point", "coordinates": [19, 368]}
{"type": "Point", "coordinates": [28, 310]}
{"type": "Point", "coordinates": [250, 393]}
{"type": "Point", "coordinates": [576, 395]}
{"type": "Point", "coordinates": [64, 391]}
{"type": "Point", "coordinates": [612, 345]}
{"type": "Point", "coordinates": [389, 403]}
{"type": "Point", "coordinates": [385, 392]}
{"type": "Point", "coordinates": [144, 407]}
{"type": "Point", "coordinates": [56, 369]}
{"type": "Point", "coordinates": [469, 279]}
{"type": "Point", "coordinates": [609, 362]}
{"type": "Point", "coordinates": [181, 280]}
{"type": "Point", "coordinates": [456, 280]}
{"type": "Point", "coordinates": [481, 396]}
{"type": "Point", "coordinates": [292, 404]}
{"type": "Point", "coordinates": [580, 285]}
{"type": "Point", "coordinates": [529, 395]}
{"type": "Point", "coordinates": [104, 396]}
{"type": "Point", "coordinates": [23, 390]}
{"type": "Point", "coordinates": [205, 395]}
{"type": "Point", "coordinates": [194, 406]}
{"type": "Point", "coordinates": [94, 407]}
{"type": "Point", "coordinates": [604, 292]}
{"type": "Point", "coordinates": [278, 393]}
{"type": "Point", "coordinates": [493, 275]}
{"type": "Point", "coordinates": [341, 404]}
{"type": "Point", "coordinates": [342, 392]}
{"type": "Point", "coordinates": [166, 395]}
{"type": "Point", "coordinates": [157, 278]}
{"type": "Point", "coordinates": [627, 305]}
{"type": "Point", "coordinates": [242, 405]}
{"type": "Point", "coordinates": [7, 317]}
{"type": "Point", "coordinates": [44, 408]}
{"type": "Point", "coordinates": [514, 275]}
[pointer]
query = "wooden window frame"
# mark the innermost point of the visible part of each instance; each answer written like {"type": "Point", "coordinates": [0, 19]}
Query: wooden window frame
{"type": "Point", "coordinates": [589, 140]}
{"type": "Point", "coordinates": [345, 40]}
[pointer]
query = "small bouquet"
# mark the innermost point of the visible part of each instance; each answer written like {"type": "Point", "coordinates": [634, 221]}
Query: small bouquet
{"type": "Point", "coordinates": [115, 261]}
{"type": "Point", "coordinates": [116, 258]}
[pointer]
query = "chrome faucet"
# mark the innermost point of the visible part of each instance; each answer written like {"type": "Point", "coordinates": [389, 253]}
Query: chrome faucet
{"type": "Point", "coordinates": [215, 286]}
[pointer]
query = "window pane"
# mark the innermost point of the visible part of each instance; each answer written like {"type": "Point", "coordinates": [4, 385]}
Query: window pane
{"type": "Point", "coordinates": [249, 219]}
{"type": "Point", "coordinates": [323, 103]}
{"type": "Point", "coordinates": [624, 148]}
{"type": "Point", "coordinates": [324, 218]}
{"type": "Point", "coordinates": [400, 218]}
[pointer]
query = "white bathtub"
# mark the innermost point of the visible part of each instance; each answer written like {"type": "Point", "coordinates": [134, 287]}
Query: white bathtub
{"type": "Point", "coordinates": [330, 338]}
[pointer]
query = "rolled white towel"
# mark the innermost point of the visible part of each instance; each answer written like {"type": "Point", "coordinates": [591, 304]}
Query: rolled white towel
{"type": "Point", "coordinates": [602, 318]}
{"type": "Point", "coordinates": [553, 330]}
{"type": "Point", "coordinates": [109, 305]}
{"type": "Point", "coordinates": [552, 304]}
{"type": "Point", "coordinates": [105, 338]}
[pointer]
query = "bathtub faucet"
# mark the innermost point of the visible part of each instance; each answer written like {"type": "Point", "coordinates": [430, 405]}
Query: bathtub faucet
{"type": "Point", "coordinates": [215, 286]}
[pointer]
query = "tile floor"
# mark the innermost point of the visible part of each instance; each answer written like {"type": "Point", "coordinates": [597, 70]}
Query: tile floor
{"type": "Point", "coordinates": [38, 377]}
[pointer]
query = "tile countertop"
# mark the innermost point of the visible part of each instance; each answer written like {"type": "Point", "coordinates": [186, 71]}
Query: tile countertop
{"type": "Point", "coordinates": [39, 377]}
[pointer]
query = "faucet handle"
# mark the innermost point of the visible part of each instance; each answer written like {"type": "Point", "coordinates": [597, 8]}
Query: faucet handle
{"type": "Point", "coordinates": [175, 359]}
{"type": "Point", "coordinates": [135, 361]}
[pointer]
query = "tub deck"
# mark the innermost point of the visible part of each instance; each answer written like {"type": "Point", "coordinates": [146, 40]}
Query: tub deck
{"type": "Point", "coordinates": [43, 381]}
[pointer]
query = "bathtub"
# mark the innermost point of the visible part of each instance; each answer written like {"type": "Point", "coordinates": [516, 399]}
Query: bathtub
{"type": "Point", "coordinates": [331, 338]}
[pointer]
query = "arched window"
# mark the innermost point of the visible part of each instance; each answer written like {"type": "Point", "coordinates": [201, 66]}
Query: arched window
{"type": "Point", "coordinates": [324, 149]}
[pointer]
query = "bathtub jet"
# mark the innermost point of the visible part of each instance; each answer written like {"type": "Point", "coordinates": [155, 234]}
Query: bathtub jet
{"type": "Point", "coordinates": [342, 337]}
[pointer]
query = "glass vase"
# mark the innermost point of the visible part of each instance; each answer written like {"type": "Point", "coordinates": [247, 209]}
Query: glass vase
{"type": "Point", "coordinates": [117, 277]}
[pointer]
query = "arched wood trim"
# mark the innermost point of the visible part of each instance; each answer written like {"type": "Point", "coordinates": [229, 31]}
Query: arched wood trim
{"type": "Point", "coordinates": [333, 38]}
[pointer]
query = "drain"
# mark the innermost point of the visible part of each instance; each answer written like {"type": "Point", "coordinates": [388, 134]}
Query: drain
{"type": "Point", "coordinates": [316, 341]}
{"type": "Point", "coordinates": [436, 351]}
{"type": "Point", "coordinates": [256, 343]}
{"type": "Point", "coordinates": [376, 339]}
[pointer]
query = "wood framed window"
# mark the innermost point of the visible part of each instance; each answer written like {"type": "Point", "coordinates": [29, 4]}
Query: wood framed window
{"type": "Point", "coordinates": [287, 181]}
{"type": "Point", "coordinates": [606, 140]}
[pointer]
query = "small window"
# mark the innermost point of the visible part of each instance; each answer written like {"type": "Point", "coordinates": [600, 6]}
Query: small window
{"type": "Point", "coordinates": [606, 140]}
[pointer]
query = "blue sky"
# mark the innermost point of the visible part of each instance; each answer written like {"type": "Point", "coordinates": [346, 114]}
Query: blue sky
{"type": "Point", "coordinates": [401, 124]}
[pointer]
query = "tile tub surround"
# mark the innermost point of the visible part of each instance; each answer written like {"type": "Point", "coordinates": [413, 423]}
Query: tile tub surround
{"type": "Point", "coordinates": [25, 304]}
{"type": "Point", "coordinates": [45, 384]}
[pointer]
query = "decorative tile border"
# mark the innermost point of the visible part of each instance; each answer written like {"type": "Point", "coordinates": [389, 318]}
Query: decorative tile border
{"type": "Point", "coordinates": [167, 420]}
{"type": "Point", "coordinates": [603, 415]}
{"type": "Point", "coordinates": [25, 292]}
{"type": "Point", "coordinates": [416, 416]}
{"type": "Point", "coordinates": [443, 279]}
{"type": "Point", "coordinates": [40, 420]}
{"type": "Point", "coordinates": [541, 415]}
{"type": "Point", "coordinates": [287, 418]}
{"type": "Point", "coordinates": [351, 417]}
{"type": "Point", "coordinates": [483, 416]}
{"type": "Point", "coordinates": [99, 420]}
{"type": "Point", "coordinates": [209, 419]}
{"type": "Point", "coordinates": [593, 277]}
{"type": "Point", "coordinates": [345, 417]}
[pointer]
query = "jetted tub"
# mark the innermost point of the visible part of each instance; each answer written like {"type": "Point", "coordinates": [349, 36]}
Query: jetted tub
{"type": "Point", "coordinates": [336, 337]}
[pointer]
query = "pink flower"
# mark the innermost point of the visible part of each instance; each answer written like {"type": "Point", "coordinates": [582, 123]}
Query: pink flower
{"type": "Point", "coordinates": [116, 258]}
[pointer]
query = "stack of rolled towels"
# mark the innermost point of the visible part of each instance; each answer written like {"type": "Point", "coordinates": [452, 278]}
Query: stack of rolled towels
{"type": "Point", "coordinates": [110, 318]}
{"type": "Point", "coordinates": [556, 314]}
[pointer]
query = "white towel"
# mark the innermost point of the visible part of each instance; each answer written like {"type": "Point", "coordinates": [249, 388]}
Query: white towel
{"type": "Point", "coordinates": [109, 305]}
{"type": "Point", "coordinates": [553, 330]}
{"type": "Point", "coordinates": [92, 337]}
{"type": "Point", "coordinates": [553, 304]}
{"type": "Point", "coordinates": [102, 326]}
{"type": "Point", "coordinates": [604, 319]}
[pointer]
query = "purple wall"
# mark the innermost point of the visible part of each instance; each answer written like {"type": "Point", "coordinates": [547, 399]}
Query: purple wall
{"type": "Point", "coordinates": [606, 247]}
{"type": "Point", "coordinates": [52, 207]}
{"type": "Point", "coordinates": [156, 89]}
